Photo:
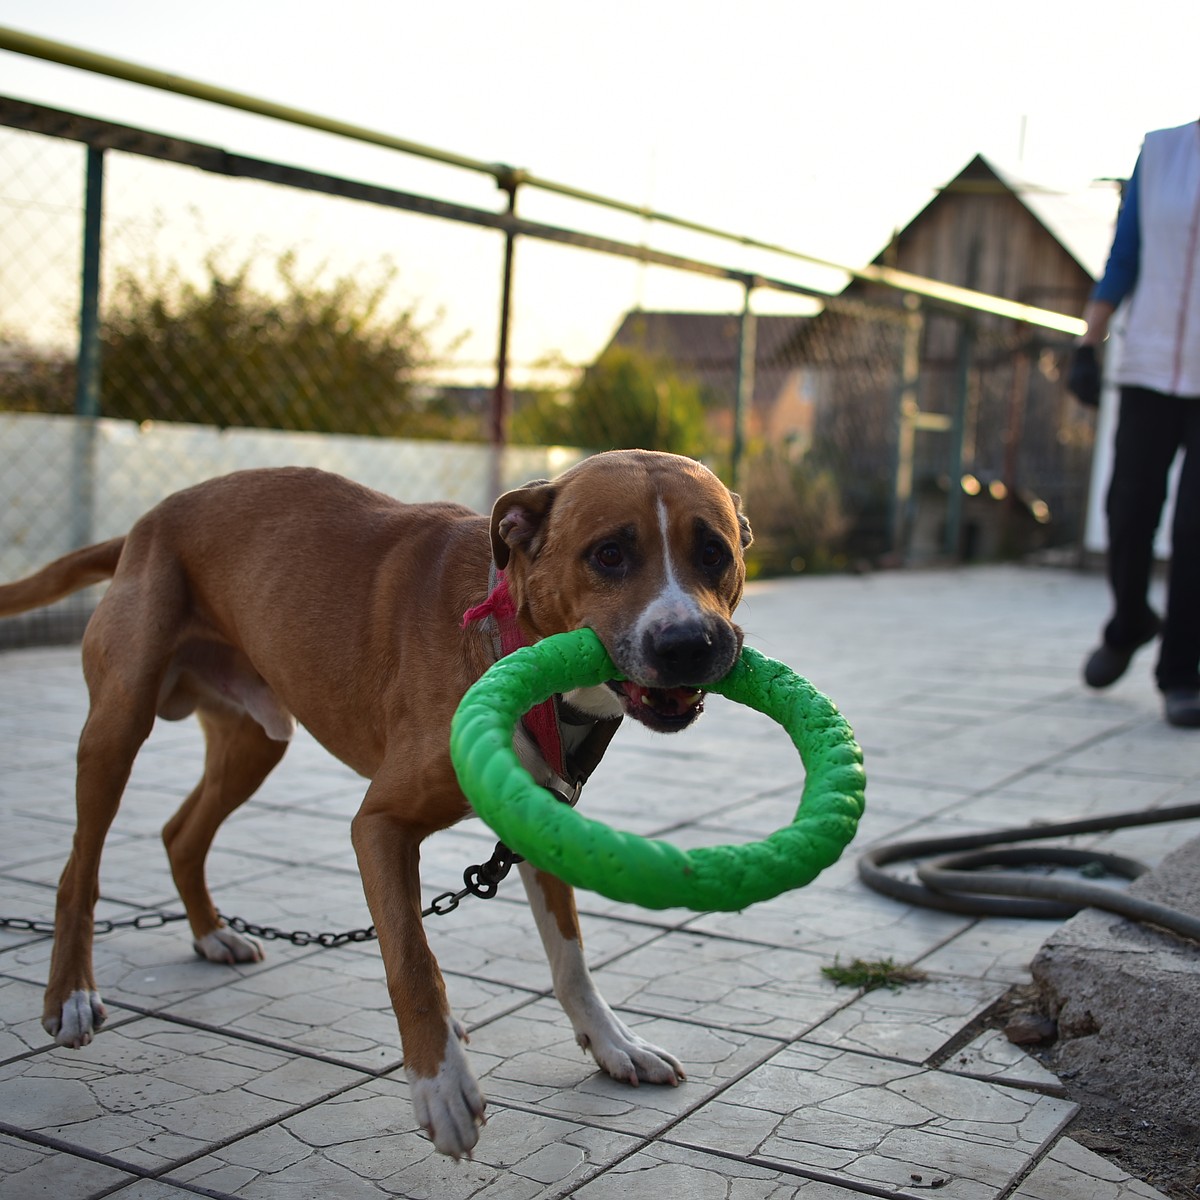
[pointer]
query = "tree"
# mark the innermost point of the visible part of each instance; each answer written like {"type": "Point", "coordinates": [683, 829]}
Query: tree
{"type": "Point", "coordinates": [799, 519]}
{"type": "Point", "coordinates": [35, 379]}
{"type": "Point", "coordinates": [310, 355]}
{"type": "Point", "coordinates": [626, 400]}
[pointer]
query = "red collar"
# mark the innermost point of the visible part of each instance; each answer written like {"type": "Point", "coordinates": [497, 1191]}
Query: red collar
{"type": "Point", "coordinates": [541, 721]}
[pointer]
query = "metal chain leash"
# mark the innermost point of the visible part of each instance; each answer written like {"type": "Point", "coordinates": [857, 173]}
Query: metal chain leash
{"type": "Point", "coordinates": [148, 920]}
{"type": "Point", "coordinates": [482, 880]}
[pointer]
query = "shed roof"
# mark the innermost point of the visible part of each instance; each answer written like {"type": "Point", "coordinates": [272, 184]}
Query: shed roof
{"type": "Point", "coordinates": [1080, 220]}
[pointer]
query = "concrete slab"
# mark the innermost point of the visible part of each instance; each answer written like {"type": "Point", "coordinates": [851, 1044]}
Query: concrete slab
{"type": "Point", "coordinates": [283, 1078]}
{"type": "Point", "coordinates": [1127, 998]}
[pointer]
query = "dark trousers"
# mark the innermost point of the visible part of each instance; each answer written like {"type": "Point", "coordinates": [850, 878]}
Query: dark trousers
{"type": "Point", "coordinates": [1151, 430]}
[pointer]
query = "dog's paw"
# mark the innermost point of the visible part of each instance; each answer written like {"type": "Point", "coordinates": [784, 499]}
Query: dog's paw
{"type": "Point", "coordinates": [225, 945]}
{"type": "Point", "coordinates": [629, 1058]}
{"type": "Point", "coordinates": [449, 1106]}
{"type": "Point", "coordinates": [81, 1015]}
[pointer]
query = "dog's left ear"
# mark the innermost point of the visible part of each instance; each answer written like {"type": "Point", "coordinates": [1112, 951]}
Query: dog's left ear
{"type": "Point", "coordinates": [743, 522]}
{"type": "Point", "coordinates": [518, 519]}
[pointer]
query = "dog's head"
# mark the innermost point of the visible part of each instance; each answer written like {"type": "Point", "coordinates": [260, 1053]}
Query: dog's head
{"type": "Point", "coordinates": [647, 550]}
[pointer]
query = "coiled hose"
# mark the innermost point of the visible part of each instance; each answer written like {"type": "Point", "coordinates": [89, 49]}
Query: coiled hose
{"type": "Point", "coordinates": [941, 883]}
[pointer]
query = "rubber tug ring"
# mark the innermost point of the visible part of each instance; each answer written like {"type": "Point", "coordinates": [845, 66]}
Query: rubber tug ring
{"type": "Point", "coordinates": [636, 870]}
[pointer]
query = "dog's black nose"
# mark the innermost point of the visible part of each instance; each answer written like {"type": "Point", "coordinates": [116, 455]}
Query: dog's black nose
{"type": "Point", "coordinates": [681, 654]}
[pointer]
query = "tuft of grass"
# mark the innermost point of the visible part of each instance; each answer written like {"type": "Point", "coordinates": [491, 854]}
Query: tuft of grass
{"type": "Point", "coordinates": [869, 975]}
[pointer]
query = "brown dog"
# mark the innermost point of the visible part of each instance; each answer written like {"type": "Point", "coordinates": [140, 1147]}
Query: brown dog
{"type": "Point", "coordinates": [268, 597]}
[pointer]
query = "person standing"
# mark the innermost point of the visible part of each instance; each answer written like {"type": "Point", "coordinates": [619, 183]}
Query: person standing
{"type": "Point", "coordinates": [1155, 264]}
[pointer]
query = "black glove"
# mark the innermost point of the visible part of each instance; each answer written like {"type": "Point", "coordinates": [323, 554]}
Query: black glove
{"type": "Point", "coordinates": [1083, 377]}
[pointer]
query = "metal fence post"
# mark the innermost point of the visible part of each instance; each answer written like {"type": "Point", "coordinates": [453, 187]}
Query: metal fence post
{"type": "Point", "coordinates": [1017, 400]}
{"type": "Point", "coordinates": [907, 413]}
{"type": "Point", "coordinates": [509, 180]}
{"type": "Point", "coordinates": [87, 365]}
{"type": "Point", "coordinates": [952, 545]}
{"type": "Point", "coordinates": [744, 392]}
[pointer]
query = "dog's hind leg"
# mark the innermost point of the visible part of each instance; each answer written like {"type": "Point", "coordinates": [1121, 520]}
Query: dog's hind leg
{"type": "Point", "coordinates": [238, 757]}
{"type": "Point", "coordinates": [119, 721]}
{"type": "Point", "coordinates": [615, 1047]}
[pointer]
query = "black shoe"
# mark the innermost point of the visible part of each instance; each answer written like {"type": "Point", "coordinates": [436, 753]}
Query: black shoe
{"type": "Point", "coordinates": [1107, 664]}
{"type": "Point", "coordinates": [1182, 707]}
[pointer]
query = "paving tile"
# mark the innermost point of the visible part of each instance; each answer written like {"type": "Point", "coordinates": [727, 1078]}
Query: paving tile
{"type": "Point", "coordinates": [33, 750]}
{"type": "Point", "coordinates": [669, 1172]}
{"type": "Point", "coordinates": [731, 752]}
{"type": "Point", "coordinates": [150, 1189]}
{"type": "Point", "coordinates": [497, 940]}
{"type": "Point", "coordinates": [875, 1121]}
{"type": "Point", "coordinates": [910, 1023]}
{"type": "Point", "coordinates": [32, 839]}
{"type": "Point", "coordinates": [682, 788]}
{"type": "Point", "coordinates": [46, 790]}
{"type": "Point", "coordinates": [998, 949]}
{"type": "Point", "coordinates": [1066, 791]}
{"type": "Point", "coordinates": [1146, 844]}
{"type": "Point", "coordinates": [287, 835]}
{"type": "Point", "coordinates": [992, 1056]}
{"type": "Point", "coordinates": [852, 922]}
{"type": "Point", "coordinates": [333, 1003]}
{"type": "Point", "coordinates": [29, 1171]}
{"type": "Point", "coordinates": [145, 968]}
{"type": "Point", "coordinates": [20, 1019]}
{"type": "Point", "coordinates": [530, 1058]}
{"type": "Point", "coordinates": [722, 983]}
{"type": "Point", "coordinates": [364, 1144]}
{"type": "Point", "coordinates": [149, 1093]}
{"type": "Point", "coordinates": [1152, 750]}
{"type": "Point", "coordinates": [135, 871]}
{"type": "Point", "coordinates": [1032, 802]}
{"type": "Point", "coordinates": [950, 765]}
{"type": "Point", "coordinates": [1072, 1172]}
{"type": "Point", "coordinates": [143, 813]}
{"type": "Point", "coordinates": [754, 816]}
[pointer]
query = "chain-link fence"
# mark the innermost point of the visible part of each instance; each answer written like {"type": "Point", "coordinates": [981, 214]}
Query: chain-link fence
{"type": "Point", "coordinates": [243, 313]}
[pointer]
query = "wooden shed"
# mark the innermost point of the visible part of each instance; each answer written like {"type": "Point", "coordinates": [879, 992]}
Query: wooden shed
{"type": "Point", "coordinates": [989, 400]}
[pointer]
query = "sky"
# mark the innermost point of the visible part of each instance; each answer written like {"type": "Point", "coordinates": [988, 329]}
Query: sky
{"type": "Point", "coordinates": [821, 126]}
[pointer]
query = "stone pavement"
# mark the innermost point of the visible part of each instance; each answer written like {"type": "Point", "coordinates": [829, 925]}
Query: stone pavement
{"type": "Point", "coordinates": [282, 1079]}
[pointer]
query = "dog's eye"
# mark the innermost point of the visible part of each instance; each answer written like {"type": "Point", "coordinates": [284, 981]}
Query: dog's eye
{"type": "Point", "coordinates": [712, 555]}
{"type": "Point", "coordinates": [610, 556]}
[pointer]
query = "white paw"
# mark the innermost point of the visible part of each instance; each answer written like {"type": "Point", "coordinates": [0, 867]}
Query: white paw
{"type": "Point", "coordinates": [82, 1014]}
{"type": "Point", "coordinates": [224, 945]}
{"type": "Point", "coordinates": [449, 1106]}
{"type": "Point", "coordinates": [625, 1056]}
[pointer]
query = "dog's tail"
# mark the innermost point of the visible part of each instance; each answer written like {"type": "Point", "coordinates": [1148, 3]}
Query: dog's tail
{"type": "Point", "coordinates": [65, 575]}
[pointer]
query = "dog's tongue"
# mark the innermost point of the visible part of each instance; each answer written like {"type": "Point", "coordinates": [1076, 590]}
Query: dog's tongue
{"type": "Point", "coordinates": [669, 702]}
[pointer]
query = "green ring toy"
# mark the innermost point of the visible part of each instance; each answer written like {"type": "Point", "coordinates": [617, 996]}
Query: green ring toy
{"type": "Point", "coordinates": [623, 866]}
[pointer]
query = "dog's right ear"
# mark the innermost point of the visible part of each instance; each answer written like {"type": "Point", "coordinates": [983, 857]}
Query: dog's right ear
{"type": "Point", "coordinates": [519, 518]}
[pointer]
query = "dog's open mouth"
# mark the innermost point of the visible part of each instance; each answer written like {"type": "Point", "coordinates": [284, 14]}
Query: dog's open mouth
{"type": "Point", "coordinates": [662, 709]}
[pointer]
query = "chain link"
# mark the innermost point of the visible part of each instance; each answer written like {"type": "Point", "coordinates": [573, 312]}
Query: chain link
{"type": "Point", "coordinates": [482, 880]}
{"type": "Point", "coordinates": [147, 920]}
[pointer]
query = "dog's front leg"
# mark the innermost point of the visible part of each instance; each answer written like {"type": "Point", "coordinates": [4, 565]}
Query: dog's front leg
{"type": "Point", "coordinates": [446, 1097]}
{"type": "Point", "coordinates": [616, 1048]}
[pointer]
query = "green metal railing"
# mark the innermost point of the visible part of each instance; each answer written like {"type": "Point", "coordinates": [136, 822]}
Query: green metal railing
{"type": "Point", "coordinates": [915, 293]}
{"type": "Point", "coordinates": [511, 178]}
